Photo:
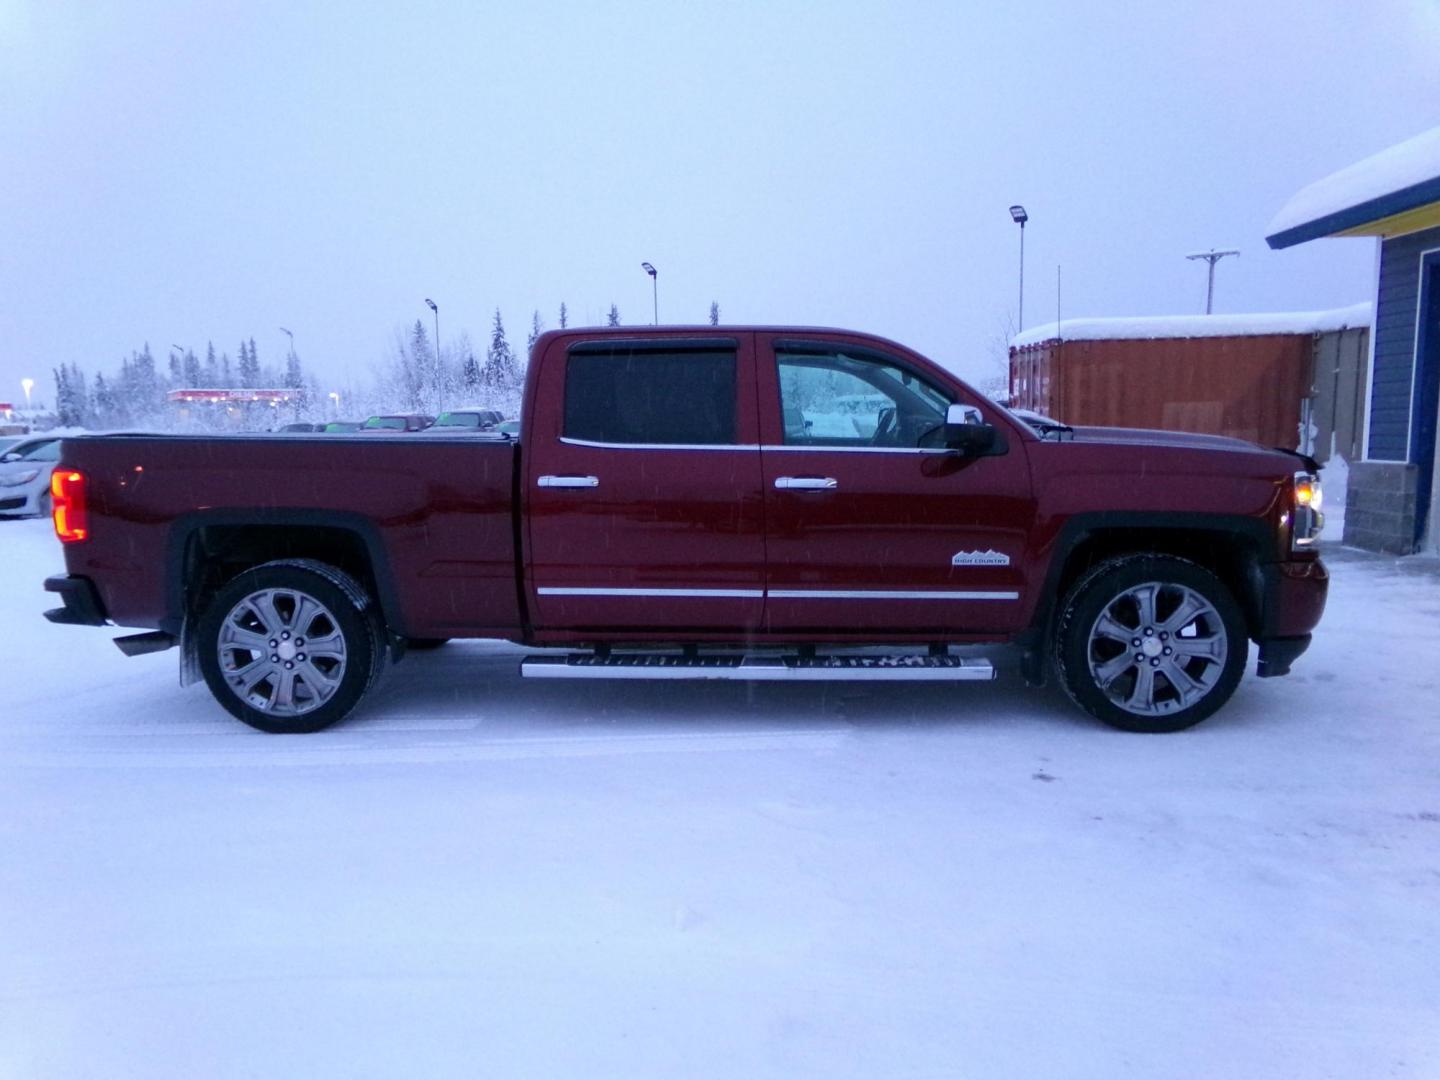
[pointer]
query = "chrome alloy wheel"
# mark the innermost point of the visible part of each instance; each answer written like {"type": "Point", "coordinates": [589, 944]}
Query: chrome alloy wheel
{"type": "Point", "coordinates": [281, 651]}
{"type": "Point", "coordinates": [1157, 648]}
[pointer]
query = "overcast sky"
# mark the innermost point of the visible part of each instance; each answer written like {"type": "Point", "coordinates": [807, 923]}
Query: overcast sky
{"type": "Point", "coordinates": [177, 173]}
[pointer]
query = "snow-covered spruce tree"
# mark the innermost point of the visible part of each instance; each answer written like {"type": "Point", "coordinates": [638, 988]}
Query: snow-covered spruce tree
{"type": "Point", "coordinates": [564, 316]}
{"type": "Point", "coordinates": [613, 319]}
{"type": "Point", "coordinates": [420, 370]}
{"type": "Point", "coordinates": [249, 365]}
{"type": "Point", "coordinates": [470, 375]}
{"type": "Point", "coordinates": [80, 397]}
{"type": "Point", "coordinates": [714, 313]}
{"type": "Point", "coordinates": [536, 329]}
{"type": "Point", "coordinates": [227, 378]}
{"type": "Point", "coordinates": [191, 368]}
{"type": "Point", "coordinates": [210, 376]}
{"type": "Point", "coordinates": [177, 377]}
{"type": "Point", "coordinates": [499, 376]}
{"type": "Point", "coordinates": [63, 407]}
{"type": "Point", "coordinates": [103, 404]}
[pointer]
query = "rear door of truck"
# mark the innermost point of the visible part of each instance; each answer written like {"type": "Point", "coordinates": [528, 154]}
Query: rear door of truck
{"type": "Point", "coordinates": [642, 486]}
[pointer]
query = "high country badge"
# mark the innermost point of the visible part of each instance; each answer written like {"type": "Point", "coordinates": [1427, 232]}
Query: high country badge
{"type": "Point", "coordinates": [980, 558]}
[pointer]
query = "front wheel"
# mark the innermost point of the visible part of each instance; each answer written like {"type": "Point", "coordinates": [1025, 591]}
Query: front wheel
{"type": "Point", "coordinates": [290, 646]}
{"type": "Point", "coordinates": [1150, 643]}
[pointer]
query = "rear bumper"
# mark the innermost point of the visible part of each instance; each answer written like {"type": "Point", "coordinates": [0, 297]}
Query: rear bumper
{"type": "Point", "coordinates": [82, 602]}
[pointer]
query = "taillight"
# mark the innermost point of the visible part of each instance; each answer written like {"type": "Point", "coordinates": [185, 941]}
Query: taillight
{"type": "Point", "coordinates": [67, 497]}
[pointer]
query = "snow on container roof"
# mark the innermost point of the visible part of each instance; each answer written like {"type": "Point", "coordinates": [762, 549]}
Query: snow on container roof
{"type": "Point", "coordinates": [1193, 326]}
{"type": "Point", "coordinates": [1401, 179]}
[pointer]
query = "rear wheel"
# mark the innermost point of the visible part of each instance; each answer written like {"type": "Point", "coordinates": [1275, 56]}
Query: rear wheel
{"type": "Point", "coordinates": [1151, 643]}
{"type": "Point", "coordinates": [290, 646]}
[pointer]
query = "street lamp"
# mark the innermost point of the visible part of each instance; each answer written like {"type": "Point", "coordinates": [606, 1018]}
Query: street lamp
{"type": "Point", "coordinates": [655, 288]}
{"type": "Point", "coordinates": [1019, 216]}
{"type": "Point", "coordinates": [335, 402]}
{"type": "Point", "coordinates": [291, 336]}
{"type": "Point", "coordinates": [440, 388]}
{"type": "Point", "coordinates": [27, 385]}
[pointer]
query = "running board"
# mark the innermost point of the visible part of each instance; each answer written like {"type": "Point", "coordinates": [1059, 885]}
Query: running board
{"type": "Point", "coordinates": [758, 668]}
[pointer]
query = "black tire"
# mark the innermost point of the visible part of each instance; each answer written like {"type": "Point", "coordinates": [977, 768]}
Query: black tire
{"type": "Point", "coordinates": [264, 604]}
{"type": "Point", "coordinates": [1158, 674]}
{"type": "Point", "coordinates": [425, 644]}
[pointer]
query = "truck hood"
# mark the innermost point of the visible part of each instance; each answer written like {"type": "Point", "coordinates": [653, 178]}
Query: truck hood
{"type": "Point", "coordinates": [1116, 436]}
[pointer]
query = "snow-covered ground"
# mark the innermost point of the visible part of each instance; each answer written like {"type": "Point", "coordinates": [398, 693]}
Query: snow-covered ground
{"type": "Point", "coordinates": [479, 876]}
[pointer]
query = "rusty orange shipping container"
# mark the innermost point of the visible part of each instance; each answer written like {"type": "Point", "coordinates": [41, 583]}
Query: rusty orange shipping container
{"type": "Point", "coordinates": [1253, 377]}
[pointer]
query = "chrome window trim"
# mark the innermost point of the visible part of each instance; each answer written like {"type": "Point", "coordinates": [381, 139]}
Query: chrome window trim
{"type": "Point", "coordinates": [857, 449]}
{"type": "Point", "coordinates": [570, 441]}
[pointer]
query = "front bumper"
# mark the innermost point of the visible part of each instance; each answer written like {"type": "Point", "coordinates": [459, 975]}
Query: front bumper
{"type": "Point", "coordinates": [1294, 600]}
{"type": "Point", "coordinates": [82, 602]}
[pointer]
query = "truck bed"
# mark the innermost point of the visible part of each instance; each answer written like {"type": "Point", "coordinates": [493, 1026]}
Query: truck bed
{"type": "Point", "coordinates": [426, 507]}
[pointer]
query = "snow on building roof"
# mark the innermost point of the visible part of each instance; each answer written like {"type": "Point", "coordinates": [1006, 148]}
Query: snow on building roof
{"type": "Point", "coordinates": [1391, 182]}
{"type": "Point", "coordinates": [1193, 326]}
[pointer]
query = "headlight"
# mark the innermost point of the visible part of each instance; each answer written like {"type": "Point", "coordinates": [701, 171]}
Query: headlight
{"type": "Point", "coordinates": [1305, 517]}
{"type": "Point", "coordinates": [17, 479]}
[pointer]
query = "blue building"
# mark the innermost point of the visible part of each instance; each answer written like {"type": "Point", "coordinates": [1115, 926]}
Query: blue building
{"type": "Point", "coordinates": [1394, 196]}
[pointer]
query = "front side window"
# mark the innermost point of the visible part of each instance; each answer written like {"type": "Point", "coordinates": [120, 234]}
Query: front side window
{"type": "Point", "coordinates": [837, 399]}
{"type": "Point", "coordinates": [385, 423]}
{"type": "Point", "coordinates": [651, 396]}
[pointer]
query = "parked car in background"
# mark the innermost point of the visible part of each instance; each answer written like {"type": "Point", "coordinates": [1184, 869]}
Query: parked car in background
{"type": "Point", "coordinates": [302, 425]}
{"type": "Point", "coordinates": [398, 422]}
{"type": "Point", "coordinates": [472, 419]}
{"type": "Point", "coordinates": [8, 441]}
{"type": "Point", "coordinates": [508, 427]}
{"type": "Point", "coordinates": [25, 470]}
{"type": "Point", "coordinates": [342, 426]}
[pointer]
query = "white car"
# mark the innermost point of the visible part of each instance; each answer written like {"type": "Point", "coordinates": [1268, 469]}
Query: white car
{"type": "Point", "coordinates": [25, 471]}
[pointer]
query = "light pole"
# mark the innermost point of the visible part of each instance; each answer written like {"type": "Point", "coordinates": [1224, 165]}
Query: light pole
{"type": "Point", "coordinates": [335, 402]}
{"type": "Point", "coordinates": [439, 375]}
{"type": "Point", "coordinates": [1019, 216]}
{"type": "Point", "coordinates": [27, 384]}
{"type": "Point", "coordinates": [291, 336]}
{"type": "Point", "coordinates": [655, 288]}
{"type": "Point", "coordinates": [1212, 257]}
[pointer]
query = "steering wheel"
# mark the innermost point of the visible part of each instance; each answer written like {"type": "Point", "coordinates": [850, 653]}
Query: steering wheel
{"type": "Point", "coordinates": [884, 427]}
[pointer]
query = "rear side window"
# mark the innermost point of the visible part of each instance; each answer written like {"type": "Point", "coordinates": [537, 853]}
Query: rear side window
{"type": "Point", "coordinates": [649, 396]}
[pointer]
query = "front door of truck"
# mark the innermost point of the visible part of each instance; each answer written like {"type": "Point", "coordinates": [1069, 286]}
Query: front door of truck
{"type": "Point", "coordinates": [642, 486]}
{"type": "Point", "coordinates": [872, 525]}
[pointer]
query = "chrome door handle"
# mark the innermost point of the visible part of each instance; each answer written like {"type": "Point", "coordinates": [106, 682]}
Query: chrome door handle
{"type": "Point", "coordinates": [568, 481]}
{"type": "Point", "coordinates": [806, 483]}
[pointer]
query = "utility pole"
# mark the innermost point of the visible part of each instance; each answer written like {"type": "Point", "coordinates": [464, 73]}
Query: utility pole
{"type": "Point", "coordinates": [1212, 257]}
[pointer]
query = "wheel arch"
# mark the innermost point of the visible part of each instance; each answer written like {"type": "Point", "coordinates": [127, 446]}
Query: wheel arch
{"type": "Point", "coordinates": [209, 548]}
{"type": "Point", "coordinates": [1232, 547]}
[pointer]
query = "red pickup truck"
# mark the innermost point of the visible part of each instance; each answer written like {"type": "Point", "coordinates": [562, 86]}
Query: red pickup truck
{"type": "Point", "coordinates": [705, 502]}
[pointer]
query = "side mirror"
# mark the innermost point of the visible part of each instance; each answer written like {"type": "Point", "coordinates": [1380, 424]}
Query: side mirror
{"type": "Point", "coordinates": [966, 430]}
{"type": "Point", "coordinates": [10, 457]}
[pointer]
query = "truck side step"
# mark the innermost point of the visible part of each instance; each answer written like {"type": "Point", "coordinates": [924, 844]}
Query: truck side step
{"type": "Point", "coordinates": [915, 668]}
